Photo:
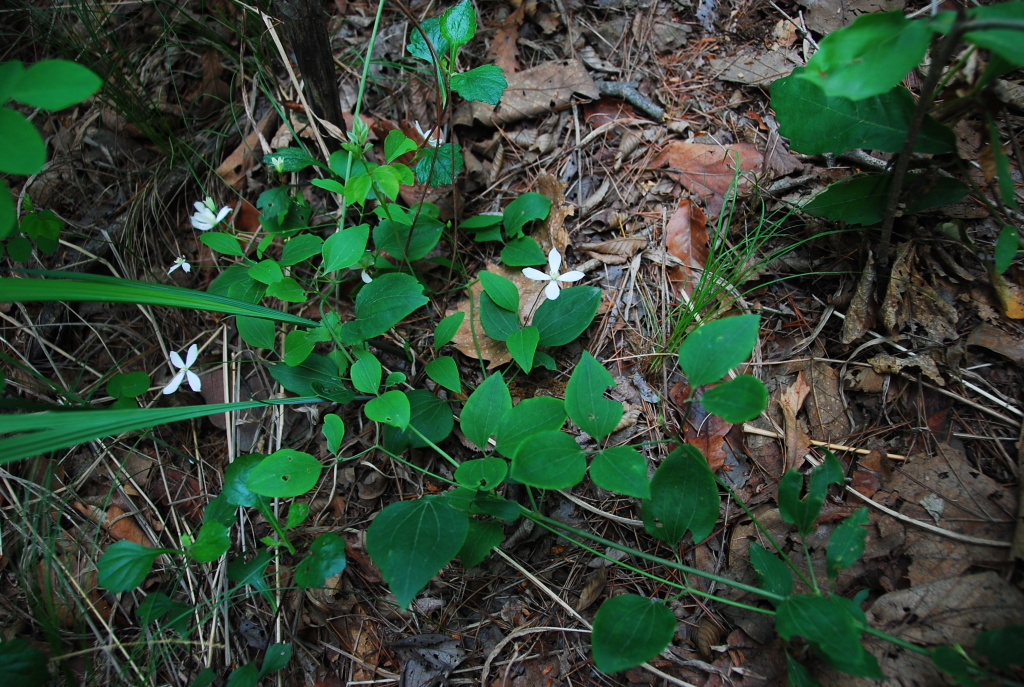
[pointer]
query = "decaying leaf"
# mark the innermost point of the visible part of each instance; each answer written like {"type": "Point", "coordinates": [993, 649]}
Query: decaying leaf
{"type": "Point", "coordinates": [247, 155]}
{"type": "Point", "coordinates": [861, 315]}
{"type": "Point", "coordinates": [620, 249]}
{"type": "Point", "coordinates": [890, 364]}
{"type": "Point", "coordinates": [791, 400]}
{"type": "Point", "coordinates": [911, 302]}
{"type": "Point", "coordinates": [1009, 293]}
{"type": "Point", "coordinates": [593, 587]}
{"type": "Point", "coordinates": [504, 44]}
{"type": "Point", "coordinates": [707, 170]}
{"type": "Point", "coordinates": [686, 238]}
{"type": "Point", "coordinates": [1002, 342]}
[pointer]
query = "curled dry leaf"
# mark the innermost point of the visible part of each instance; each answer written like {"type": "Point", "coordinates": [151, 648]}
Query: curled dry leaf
{"type": "Point", "coordinates": [791, 400]}
{"type": "Point", "coordinates": [593, 587]}
{"type": "Point", "coordinates": [686, 238]}
{"type": "Point", "coordinates": [706, 170]}
{"type": "Point", "coordinates": [615, 251]}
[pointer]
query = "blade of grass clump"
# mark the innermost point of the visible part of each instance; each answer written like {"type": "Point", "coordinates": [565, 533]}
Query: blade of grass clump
{"type": "Point", "coordinates": [52, 431]}
{"type": "Point", "coordinates": [114, 290]}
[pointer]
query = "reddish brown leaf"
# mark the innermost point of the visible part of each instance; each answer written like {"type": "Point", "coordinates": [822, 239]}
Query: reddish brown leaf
{"type": "Point", "coordinates": [707, 170]}
{"type": "Point", "coordinates": [686, 238]}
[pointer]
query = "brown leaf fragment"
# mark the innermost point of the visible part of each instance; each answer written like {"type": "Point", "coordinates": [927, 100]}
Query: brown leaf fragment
{"type": "Point", "coordinates": [708, 170]}
{"type": "Point", "coordinates": [863, 311]}
{"type": "Point", "coordinates": [911, 302]}
{"type": "Point", "coordinates": [593, 587]}
{"type": "Point", "coordinates": [247, 155]}
{"type": "Point", "coordinates": [686, 238]}
{"type": "Point", "coordinates": [1009, 292]}
{"type": "Point", "coordinates": [1000, 341]}
{"type": "Point", "coordinates": [890, 364]}
{"type": "Point", "coordinates": [504, 46]}
{"type": "Point", "coordinates": [118, 526]}
{"type": "Point", "coordinates": [532, 92]}
{"type": "Point", "coordinates": [868, 473]}
{"type": "Point", "coordinates": [622, 248]}
{"type": "Point", "coordinates": [791, 400]}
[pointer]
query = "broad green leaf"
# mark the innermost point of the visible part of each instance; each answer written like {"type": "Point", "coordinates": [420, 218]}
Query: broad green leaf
{"type": "Point", "coordinates": [1003, 42]}
{"type": "Point", "coordinates": [476, 223]}
{"type": "Point", "coordinates": [55, 84]}
{"type": "Point", "coordinates": [292, 159]}
{"type": "Point", "coordinates": [527, 208]}
{"type": "Point", "coordinates": [326, 557]}
{"type": "Point", "coordinates": [388, 179]}
{"type": "Point", "coordinates": [275, 659]}
{"type": "Point", "coordinates": [522, 345]}
{"type": "Point", "coordinates": [8, 219]}
{"type": "Point", "coordinates": [447, 329]}
{"type": "Point", "coordinates": [816, 123]}
{"type": "Point", "coordinates": [410, 541]}
{"type": "Point", "coordinates": [1004, 173]}
{"type": "Point", "coordinates": [23, 664]}
{"type": "Point", "coordinates": [498, 322]}
{"type": "Point", "coordinates": [549, 460]}
{"type": "Point", "coordinates": [366, 372]}
{"type": "Point", "coordinates": [803, 512]}
{"type": "Point", "coordinates": [623, 470]}
{"type": "Point", "coordinates": [285, 472]}
{"type": "Point", "coordinates": [716, 347]}
{"type": "Point", "coordinates": [846, 544]}
{"type": "Point", "coordinates": [405, 242]}
{"type": "Point", "coordinates": [397, 144]}
{"type": "Point", "coordinates": [798, 675]}
{"type": "Point", "coordinates": [100, 288]}
{"type": "Point", "coordinates": [862, 199]}
{"type": "Point", "coordinates": [868, 57]}
{"type": "Point", "coordinates": [484, 409]}
{"type": "Point", "coordinates": [43, 227]}
{"type": "Point", "coordinates": [485, 84]}
{"type": "Point", "coordinates": [523, 252]}
{"type": "Point", "coordinates": [439, 166]}
{"type": "Point", "coordinates": [502, 291]}
{"type": "Point", "coordinates": [737, 400]}
{"type": "Point", "coordinates": [220, 509]}
{"type": "Point", "coordinates": [334, 431]}
{"type": "Point", "coordinates": [266, 272]}
{"type": "Point", "coordinates": [257, 333]}
{"type": "Point", "coordinates": [345, 248]}
{"type": "Point", "coordinates": [1003, 647]}
{"type": "Point", "coordinates": [301, 247]}
{"type": "Point", "coordinates": [1006, 247]}
{"type": "Point", "coordinates": [156, 605]}
{"type": "Point", "coordinates": [382, 304]}
{"type": "Point", "coordinates": [287, 290]}
{"type": "Point", "coordinates": [428, 415]}
{"type": "Point", "coordinates": [253, 573]}
{"type": "Point", "coordinates": [212, 543]}
{"type": "Point", "coordinates": [773, 575]}
{"type": "Point", "coordinates": [629, 630]}
{"type": "Point", "coordinates": [482, 537]}
{"type": "Point", "coordinates": [483, 474]}
{"type": "Point", "coordinates": [585, 401]}
{"type": "Point", "coordinates": [10, 74]}
{"type": "Point", "coordinates": [22, 150]}
{"type": "Point", "coordinates": [458, 23]}
{"type": "Point", "coordinates": [297, 347]}
{"type": "Point", "coordinates": [300, 379]}
{"type": "Point", "coordinates": [225, 244]}
{"type": "Point", "coordinates": [128, 385]}
{"type": "Point", "coordinates": [532, 415]}
{"type": "Point", "coordinates": [829, 625]}
{"type": "Point", "coordinates": [247, 675]}
{"type": "Point", "coordinates": [684, 497]}
{"type": "Point", "coordinates": [297, 514]}
{"type": "Point", "coordinates": [418, 46]}
{"type": "Point", "coordinates": [391, 408]}
{"type": "Point", "coordinates": [125, 564]}
{"type": "Point", "coordinates": [562, 320]}
{"type": "Point", "coordinates": [445, 372]}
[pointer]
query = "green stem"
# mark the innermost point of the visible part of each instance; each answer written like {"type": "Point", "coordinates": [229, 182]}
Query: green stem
{"type": "Point", "coordinates": [268, 513]}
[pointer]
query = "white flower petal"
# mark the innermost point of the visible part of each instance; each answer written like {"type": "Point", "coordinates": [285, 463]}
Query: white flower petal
{"type": "Point", "coordinates": [187, 267]}
{"type": "Point", "coordinates": [552, 290]}
{"type": "Point", "coordinates": [365, 277]}
{"type": "Point", "coordinates": [554, 262]}
{"type": "Point", "coordinates": [575, 275]}
{"type": "Point", "coordinates": [198, 205]}
{"type": "Point", "coordinates": [174, 267]}
{"type": "Point", "coordinates": [175, 382]}
{"type": "Point", "coordinates": [193, 381]}
{"type": "Point", "coordinates": [535, 275]}
{"type": "Point", "coordinates": [176, 361]}
{"type": "Point", "coordinates": [224, 211]}
{"type": "Point", "coordinates": [190, 357]}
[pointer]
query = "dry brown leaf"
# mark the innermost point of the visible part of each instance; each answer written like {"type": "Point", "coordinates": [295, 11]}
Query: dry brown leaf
{"type": "Point", "coordinates": [614, 251]}
{"type": "Point", "coordinates": [824, 408]}
{"type": "Point", "coordinates": [791, 400]}
{"type": "Point", "coordinates": [115, 523]}
{"type": "Point", "coordinates": [707, 170]}
{"type": "Point", "coordinates": [890, 364]}
{"type": "Point", "coordinates": [863, 311]}
{"type": "Point", "coordinates": [995, 339]}
{"type": "Point", "coordinates": [593, 587]}
{"type": "Point", "coordinates": [686, 238]}
{"type": "Point", "coordinates": [532, 92]}
{"type": "Point", "coordinates": [246, 156]}
{"type": "Point", "coordinates": [911, 302]}
{"type": "Point", "coordinates": [504, 46]}
{"type": "Point", "coordinates": [552, 232]}
{"type": "Point", "coordinates": [1009, 293]}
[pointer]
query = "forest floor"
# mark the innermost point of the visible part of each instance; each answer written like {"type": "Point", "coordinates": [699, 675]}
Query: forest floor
{"type": "Point", "coordinates": [912, 377]}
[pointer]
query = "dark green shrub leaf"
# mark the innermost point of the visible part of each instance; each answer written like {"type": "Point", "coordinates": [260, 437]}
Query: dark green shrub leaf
{"type": "Point", "coordinates": [447, 329]}
{"type": "Point", "coordinates": [8, 220]}
{"type": "Point", "coordinates": [252, 573]}
{"type": "Point", "coordinates": [532, 415]}
{"type": "Point", "coordinates": [585, 401]}
{"type": "Point", "coordinates": [846, 544]}
{"type": "Point", "coordinates": [773, 575]}
{"type": "Point", "coordinates": [258, 333]}
{"type": "Point", "coordinates": [156, 605]}
{"type": "Point", "coordinates": [128, 385]}
{"type": "Point", "coordinates": [502, 291]}
{"type": "Point", "coordinates": [798, 675]}
{"type": "Point", "coordinates": [55, 84]}
{"type": "Point", "coordinates": [549, 460]}
{"type": "Point", "coordinates": [23, 664]}
{"type": "Point", "coordinates": [405, 242]}
{"type": "Point", "coordinates": [366, 372]}
{"type": "Point", "coordinates": [397, 144]}
{"type": "Point", "coordinates": [326, 557]}
{"type": "Point", "coordinates": [497, 322]}
{"type": "Point", "coordinates": [482, 474]}
{"type": "Point", "coordinates": [345, 248]}
{"type": "Point", "coordinates": [445, 372]}
{"type": "Point", "coordinates": [382, 304]}
{"type": "Point", "coordinates": [862, 199]}
{"type": "Point", "coordinates": [482, 537]}
{"type": "Point", "coordinates": [290, 159]}
{"type": "Point", "coordinates": [523, 252]}
{"type": "Point", "coordinates": [485, 84]}
{"type": "Point", "coordinates": [301, 247]}
{"type": "Point", "coordinates": [621, 469]}
{"type": "Point", "coordinates": [629, 630]}
{"type": "Point", "coordinates": [522, 345]}
{"type": "Point", "coordinates": [334, 431]}
{"type": "Point", "coordinates": [684, 497]}
{"type": "Point", "coordinates": [714, 348]}
{"type": "Point", "coordinates": [266, 271]}
{"type": "Point", "coordinates": [315, 369]}
{"type": "Point", "coordinates": [297, 347]}
{"type": "Point", "coordinates": [125, 564]}
{"type": "Point", "coordinates": [23, 150]}
{"type": "Point", "coordinates": [276, 658]}
{"type": "Point", "coordinates": [410, 541]}
{"type": "Point", "coordinates": [391, 408]}
{"type": "Point", "coordinates": [1003, 647]}
{"type": "Point", "coordinates": [212, 543]}
{"type": "Point", "coordinates": [418, 45]}
{"type": "Point", "coordinates": [484, 409]}
{"type": "Point", "coordinates": [527, 208]}
{"type": "Point", "coordinates": [236, 477]}
{"type": "Point", "coordinates": [1006, 247]}
{"type": "Point", "coordinates": [737, 400]}
{"type": "Point", "coordinates": [458, 24]}
{"type": "Point", "coordinates": [225, 244]}
{"type": "Point", "coordinates": [803, 512]}
{"type": "Point", "coordinates": [1003, 42]}
{"type": "Point", "coordinates": [287, 290]}
{"type": "Point", "coordinates": [285, 472]}
{"type": "Point", "coordinates": [816, 123]}
{"type": "Point", "coordinates": [832, 627]}
{"type": "Point", "coordinates": [429, 415]}
{"type": "Point", "coordinates": [439, 166]}
{"type": "Point", "coordinates": [562, 320]}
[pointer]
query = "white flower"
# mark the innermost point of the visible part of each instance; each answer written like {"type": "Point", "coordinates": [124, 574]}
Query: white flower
{"type": "Point", "coordinates": [182, 263]}
{"type": "Point", "coordinates": [553, 277]}
{"type": "Point", "coordinates": [207, 216]}
{"type": "Point", "coordinates": [427, 136]}
{"type": "Point", "coordinates": [278, 163]}
{"type": "Point", "coordinates": [365, 277]}
{"type": "Point", "coordinates": [184, 371]}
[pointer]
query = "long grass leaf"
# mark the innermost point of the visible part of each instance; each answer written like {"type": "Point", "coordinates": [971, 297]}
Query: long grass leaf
{"type": "Point", "coordinates": [114, 290]}
{"type": "Point", "coordinates": [52, 431]}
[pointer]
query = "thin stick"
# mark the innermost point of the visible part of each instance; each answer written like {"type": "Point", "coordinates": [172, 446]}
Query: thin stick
{"type": "Point", "coordinates": [751, 429]}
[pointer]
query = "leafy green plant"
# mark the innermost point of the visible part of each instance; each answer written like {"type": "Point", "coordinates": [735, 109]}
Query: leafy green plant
{"type": "Point", "coordinates": [849, 96]}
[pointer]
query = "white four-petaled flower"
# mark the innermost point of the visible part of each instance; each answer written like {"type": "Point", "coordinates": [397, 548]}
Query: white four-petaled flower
{"type": "Point", "coordinates": [278, 163]}
{"type": "Point", "coordinates": [207, 215]}
{"type": "Point", "coordinates": [184, 371]}
{"type": "Point", "coordinates": [182, 263]}
{"type": "Point", "coordinates": [553, 278]}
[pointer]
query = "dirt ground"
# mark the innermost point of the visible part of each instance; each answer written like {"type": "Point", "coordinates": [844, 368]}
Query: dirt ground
{"type": "Point", "coordinates": [620, 112]}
